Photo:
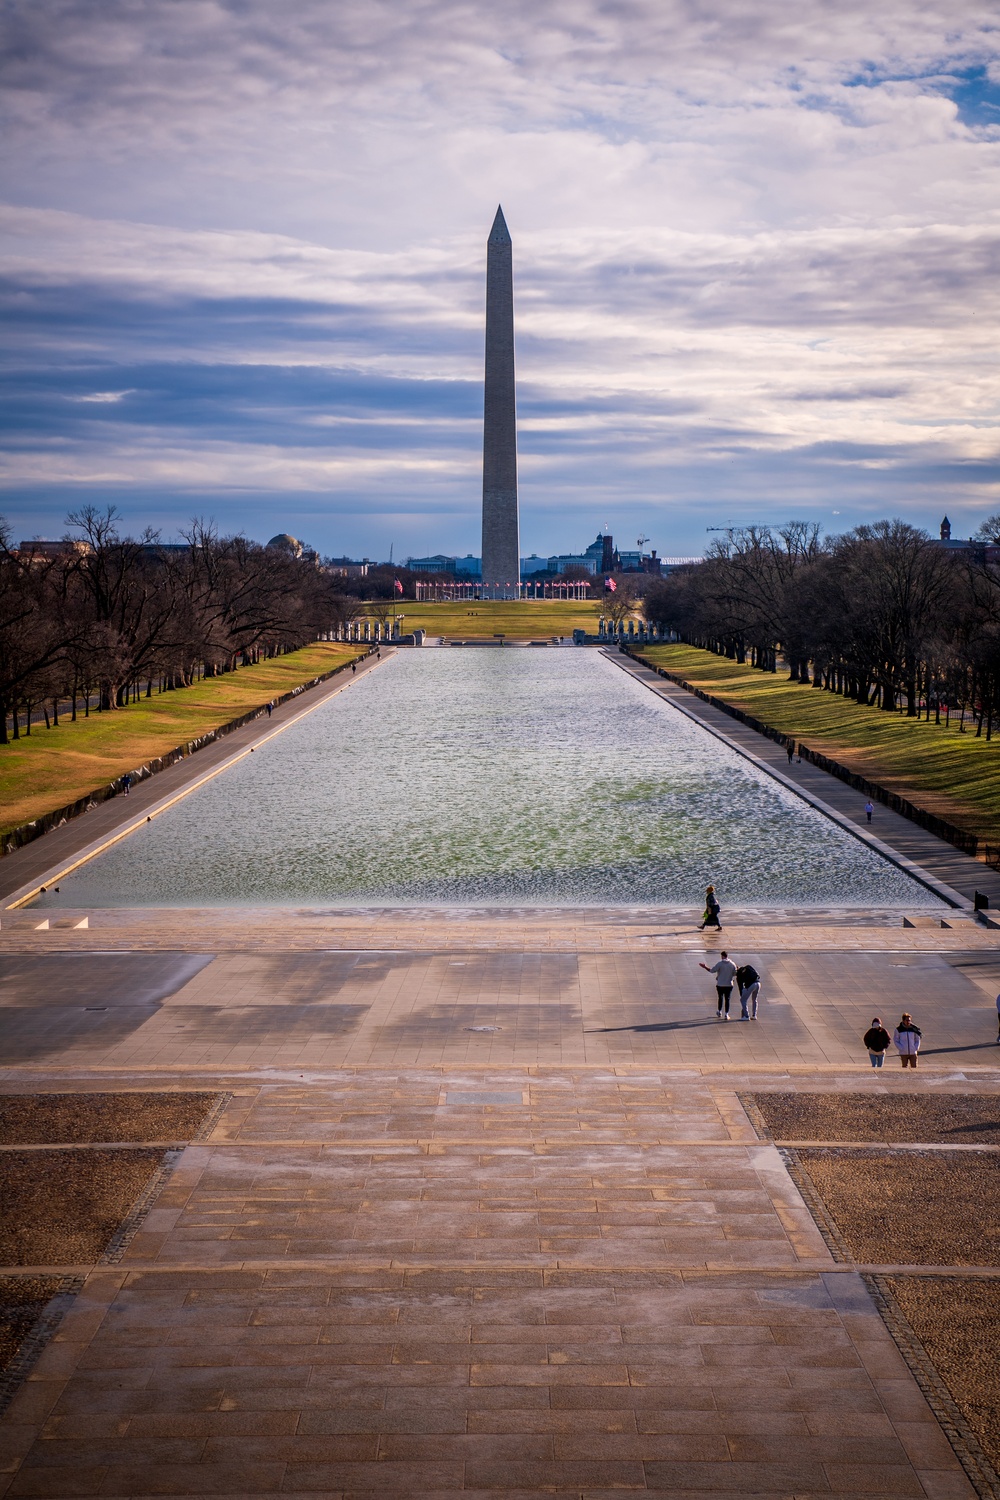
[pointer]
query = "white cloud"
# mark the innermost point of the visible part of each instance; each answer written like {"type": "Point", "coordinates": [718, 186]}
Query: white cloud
{"type": "Point", "coordinates": [762, 231]}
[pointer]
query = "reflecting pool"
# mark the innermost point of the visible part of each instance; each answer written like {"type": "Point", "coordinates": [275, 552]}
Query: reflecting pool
{"type": "Point", "coordinates": [491, 777]}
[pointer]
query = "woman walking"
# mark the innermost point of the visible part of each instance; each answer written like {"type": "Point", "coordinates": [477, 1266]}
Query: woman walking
{"type": "Point", "coordinates": [712, 911]}
{"type": "Point", "coordinates": [907, 1039]}
{"type": "Point", "coordinates": [876, 1039]}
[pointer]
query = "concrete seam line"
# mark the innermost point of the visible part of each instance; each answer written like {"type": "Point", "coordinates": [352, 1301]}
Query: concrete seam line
{"type": "Point", "coordinates": [27, 893]}
{"type": "Point", "coordinates": [903, 862]}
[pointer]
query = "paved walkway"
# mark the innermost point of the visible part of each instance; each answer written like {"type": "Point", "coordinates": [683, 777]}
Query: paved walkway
{"type": "Point", "coordinates": [536, 1282]}
{"type": "Point", "coordinates": [137, 1012]}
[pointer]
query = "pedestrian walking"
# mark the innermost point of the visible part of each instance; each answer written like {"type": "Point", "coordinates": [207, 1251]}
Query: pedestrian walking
{"type": "Point", "coordinates": [998, 1020]}
{"type": "Point", "coordinates": [725, 973]}
{"type": "Point", "coordinates": [126, 784]}
{"type": "Point", "coordinates": [791, 750]}
{"type": "Point", "coordinates": [712, 911]}
{"type": "Point", "coordinates": [749, 982]}
{"type": "Point", "coordinates": [907, 1039]}
{"type": "Point", "coordinates": [270, 709]}
{"type": "Point", "coordinates": [877, 1039]}
{"type": "Point", "coordinates": [869, 809]}
{"type": "Point", "coordinates": [354, 667]}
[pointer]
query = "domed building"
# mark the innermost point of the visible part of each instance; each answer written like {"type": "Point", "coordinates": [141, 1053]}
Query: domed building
{"type": "Point", "coordinates": [285, 543]}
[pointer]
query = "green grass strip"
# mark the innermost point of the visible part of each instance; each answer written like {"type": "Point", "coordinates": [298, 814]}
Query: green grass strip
{"type": "Point", "coordinates": [955, 776]}
{"type": "Point", "coordinates": [524, 619]}
{"type": "Point", "coordinates": [54, 767]}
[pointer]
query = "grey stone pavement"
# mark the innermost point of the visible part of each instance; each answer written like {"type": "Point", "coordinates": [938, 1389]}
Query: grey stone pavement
{"type": "Point", "coordinates": [482, 1213]}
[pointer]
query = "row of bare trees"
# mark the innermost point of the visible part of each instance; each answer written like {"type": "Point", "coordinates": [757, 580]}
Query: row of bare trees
{"type": "Point", "coordinates": [107, 618]}
{"type": "Point", "coordinates": [883, 614]}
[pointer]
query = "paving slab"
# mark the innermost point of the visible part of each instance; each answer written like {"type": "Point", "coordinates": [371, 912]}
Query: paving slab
{"type": "Point", "coordinates": [482, 1212]}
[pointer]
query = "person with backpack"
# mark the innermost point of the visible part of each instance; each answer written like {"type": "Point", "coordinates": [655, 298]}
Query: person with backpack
{"type": "Point", "coordinates": [712, 911]}
{"type": "Point", "coordinates": [749, 982]}
{"type": "Point", "coordinates": [907, 1039]}
{"type": "Point", "coordinates": [876, 1039]}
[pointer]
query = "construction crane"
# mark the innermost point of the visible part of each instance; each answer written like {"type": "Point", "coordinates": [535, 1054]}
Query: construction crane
{"type": "Point", "coordinates": [641, 542]}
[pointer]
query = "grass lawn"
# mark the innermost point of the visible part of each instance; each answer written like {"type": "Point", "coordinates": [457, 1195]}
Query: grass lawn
{"type": "Point", "coordinates": [953, 775]}
{"type": "Point", "coordinates": [54, 767]}
{"type": "Point", "coordinates": [524, 619]}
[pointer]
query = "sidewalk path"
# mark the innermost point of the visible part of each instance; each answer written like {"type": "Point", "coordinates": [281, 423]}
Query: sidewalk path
{"type": "Point", "coordinates": [526, 1284]}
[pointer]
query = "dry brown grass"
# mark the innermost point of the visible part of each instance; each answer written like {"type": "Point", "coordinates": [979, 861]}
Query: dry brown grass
{"type": "Point", "coordinates": [958, 1322]}
{"type": "Point", "coordinates": [62, 1208]}
{"type": "Point", "coordinates": [939, 1119]}
{"type": "Point", "coordinates": [916, 1208]}
{"type": "Point", "coordinates": [22, 1301]}
{"type": "Point", "coordinates": [82, 1119]}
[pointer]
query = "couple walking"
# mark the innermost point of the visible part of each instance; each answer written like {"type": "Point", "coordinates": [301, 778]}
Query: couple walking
{"type": "Point", "coordinates": [746, 977]}
{"type": "Point", "coordinates": [906, 1038]}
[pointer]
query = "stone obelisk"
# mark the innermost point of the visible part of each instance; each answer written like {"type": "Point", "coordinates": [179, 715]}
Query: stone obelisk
{"type": "Point", "coordinates": [501, 551]}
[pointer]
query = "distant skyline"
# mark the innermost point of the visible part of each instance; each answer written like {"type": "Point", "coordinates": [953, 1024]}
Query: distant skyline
{"type": "Point", "coordinates": [243, 265]}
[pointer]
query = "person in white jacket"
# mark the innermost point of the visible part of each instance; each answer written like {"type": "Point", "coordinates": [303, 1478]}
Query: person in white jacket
{"type": "Point", "coordinates": [907, 1039]}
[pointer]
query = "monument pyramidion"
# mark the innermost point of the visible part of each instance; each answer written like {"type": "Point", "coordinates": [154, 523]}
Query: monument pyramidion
{"type": "Point", "coordinates": [501, 543]}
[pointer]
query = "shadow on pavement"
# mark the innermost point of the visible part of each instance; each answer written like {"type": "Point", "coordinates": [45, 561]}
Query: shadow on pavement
{"type": "Point", "coordinates": [655, 1026]}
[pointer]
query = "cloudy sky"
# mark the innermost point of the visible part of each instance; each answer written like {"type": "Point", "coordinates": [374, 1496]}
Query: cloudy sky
{"type": "Point", "coordinates": [755, 250]}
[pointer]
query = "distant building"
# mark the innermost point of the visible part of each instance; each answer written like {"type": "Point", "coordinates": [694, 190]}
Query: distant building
{"type": "Point", "coordinates": [439, 563]}
{"type": "Point", "coordinates": [534, 564]}
{"type": "Point", "coordinates": [977, 551]}
{"type": "Point", "coordinates": [566, 560]}
{"type": "Point", "coordinates": [348, 567]}
{"type": "Point", "coordinates": [64, 548]}
{"type": "Point", "coordinates": [283, 542]}
{"type": "Point", "coordinates": [457, 567]}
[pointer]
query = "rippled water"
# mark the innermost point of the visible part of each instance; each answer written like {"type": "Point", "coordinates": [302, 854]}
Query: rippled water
{"type": "Point", "coordinates": [504, 777]}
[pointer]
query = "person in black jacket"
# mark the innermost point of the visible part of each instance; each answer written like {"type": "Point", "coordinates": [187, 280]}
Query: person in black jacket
{"type": "Point", "coordinates": [713, 911]}
{"type": "Point", "coordinates": [749, 982]}
{"type": "Point", "coordinates": [877, 1041]}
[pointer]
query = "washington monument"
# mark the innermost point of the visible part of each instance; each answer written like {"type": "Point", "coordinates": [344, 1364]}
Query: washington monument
{"type": "Point", "coordinates": [501, 551]}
